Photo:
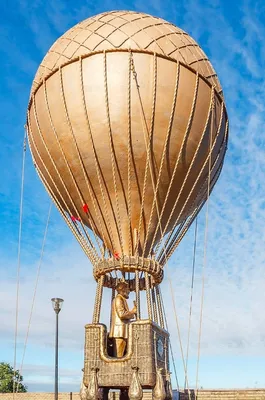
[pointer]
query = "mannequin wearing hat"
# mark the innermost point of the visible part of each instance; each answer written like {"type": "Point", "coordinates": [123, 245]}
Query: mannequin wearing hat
{"type": "Point", "coordinates": [120, 317]}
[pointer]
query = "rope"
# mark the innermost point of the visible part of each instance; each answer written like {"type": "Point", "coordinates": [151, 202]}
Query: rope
{"type": "Point", "coordinates": [98, 300]}
{"type": "Point", "coordinates": [155, 318]}
{"type": "Point", "coordinates": [79, 193]}
{"type": "Point", "coordinates": [152, 179]}
{"type": "Point", "coordinates": [148, 297]}
{"type": "Point", "coordinates": [176, 164]}
{"type": "Point", "coordinates": [78, 235]}
{"type": "Point", "coordinates": [172, 114]}
{"type": "Point", "coordinates": [137, 295]}
{"type": "Point", "coordinates": [89, 251]}
{"type": "Point", "coordinates": [113, 292]}
{"type": "Point", "coordinates": [147, 138]}
{"type": "Point", "coordinates": [145, 225]}
{"type": "Point", "coordinates": [187, 175]}
{"type": "Point", "coordinates": [172, 246]}
{"type": "Point", "coordinates": [205, 248]}
{"type": "Point", "coordinates": [170, 281]}
{"type": "Point", "coordinates": [19, 253]}
{"type": "Point", "coordinates": [169, 341]}
{"type": "Point", "coordinates": [99, 174]}
{"type": "Point", "coordinates": [145, 129]}
{"type": "Point", "coordinates": [129, 150]}
{"type": "Point", "coordinates": [35, 290]}
{"type": "Point", "coordinates": [191, 292]}
{"type": "Point", "coordinates": [91, 221]}
{"type": "Point", "coordinates": [160, 306]}
{"type": "Point", "coordinates": [178, 330]}
{"type": "Point", "coordinates": [112, 156]}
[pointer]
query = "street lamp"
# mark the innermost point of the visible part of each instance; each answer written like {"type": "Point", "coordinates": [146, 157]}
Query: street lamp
{"type": "Point", "coordinates": [57, 306]}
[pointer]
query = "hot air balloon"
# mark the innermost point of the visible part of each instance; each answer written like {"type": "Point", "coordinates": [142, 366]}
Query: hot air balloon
{"type": "Point", "coordinates": [128, 131]}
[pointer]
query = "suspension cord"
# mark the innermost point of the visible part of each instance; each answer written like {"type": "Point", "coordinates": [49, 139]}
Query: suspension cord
{"type": "Point", "coordinates": [19, 253]}
{"type": "Point", "coordinates": [35, 289]}
{"type": "Point", "coordinates": [191, 292]}
{"type": "Point", "coordinates": [205, 246]}
{"type": "Point", "coordinates": [146, 131]}
{"type": "Point", "coordinates": [169, 341]}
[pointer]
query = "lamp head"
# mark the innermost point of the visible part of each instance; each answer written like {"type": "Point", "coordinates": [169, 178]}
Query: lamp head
{"type": "Point", "coordinates": [57, 304]}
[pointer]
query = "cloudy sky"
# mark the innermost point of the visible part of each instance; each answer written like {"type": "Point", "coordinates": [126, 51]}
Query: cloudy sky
{"type": "Point", "coordinates": [233, 330]}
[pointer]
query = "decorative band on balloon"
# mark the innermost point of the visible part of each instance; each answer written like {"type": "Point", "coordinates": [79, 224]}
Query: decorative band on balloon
{"type": "Point", "coordinates": [128, 264]}
{"type": "Point", "coordinates": [122, 50]}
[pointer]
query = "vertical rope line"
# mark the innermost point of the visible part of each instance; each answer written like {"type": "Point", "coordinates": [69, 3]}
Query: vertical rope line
{"type": "Point", "coordinates": [152, 179]}
{"type": "Point", "coordinates": [194, 185]}
{"type": "Point", "coordinates": [169, 341]}
{"type": "Point", "coordinates": [99, 175]}
{"type": "Point", "coordinates": [180, 226]}
{"type": "Point", "coordinates": [98, 300]}
{"type": "Point", "coordinates": [137, 295]}
{"type": "Point", "coordinates": [73, 229]}
{"type": "Point", "coordinates": [178, 159]}
{"type": "Point", "coordinates": [148, 298]}
{"type": "Point", "coordinates": [205, 244]}
{"type": "Point", "coordinates": [147, 137]}
{"type": "Point", "coordinates": [171, 288]}
{"type": "Point", "coordinates": [170, 281]}
{"type": "Point", "coordinates": [179, 229]}
{"type": "Point", "coordinates": [31, 137]}
{"type": "Point", "coordinates": [163, 156]}
{"type": "Point", "coordinates": [174, 243]}
{"type": "Point", "coordinates": [187, 175]}
{"type": "Point", "coordinates": [100, 296]}
{"type": "Point", "coordinates": [174, 305]}
{"type": "Point", "coordinates": [178, 235]}
{"type": "Point", "coordinates": [81, 165]}
{"type": "Point", "coordinates": [160, 306]}
{"type": "Point", "coordinates": [155, 351]}
{"type": "Point", "coordinates": [90, 188]}
{"type": "Point", "coordinates": [218, 132]}
{"type": "Point", "coordinates": [79, 193]}
{"type": "Point", "coordinates": [19, 253]}
{"type": "Point", "coordinates": [119, 230]}
{"type": "Point", "coordinates": [35, 291]}
{"type": "Point", "coordinates": [96, 303]}
{"type": "Point", "coordinates": [112, 299]}
{"type": "Point", "coordinates": [188, 223]}
{"type": "Point", "coordinates": [129, 155]}
{"type": "Point", "coordinates": [71, 225]}
{"type": "Point", "coordinates": [92, 249]}
{"type": "Point", "coordinates": [154, 306]}
{"type": "Point", "coordinates": [191, 292]}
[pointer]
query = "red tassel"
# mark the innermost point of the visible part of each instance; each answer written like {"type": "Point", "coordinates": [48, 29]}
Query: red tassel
{"type": "Point", "coordinates": [85, 208]}
{"type": "Point", "coordinates": [74, 219]}
{"type": "Point", "coordinates": [116, 255]}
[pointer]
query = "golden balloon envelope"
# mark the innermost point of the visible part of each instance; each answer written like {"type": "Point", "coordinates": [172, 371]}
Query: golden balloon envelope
{"type": "Point", "coordinates": [128, 128]}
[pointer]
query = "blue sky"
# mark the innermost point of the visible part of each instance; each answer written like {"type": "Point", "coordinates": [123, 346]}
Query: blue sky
{"type": "Point", "coordinates": [233, 337]}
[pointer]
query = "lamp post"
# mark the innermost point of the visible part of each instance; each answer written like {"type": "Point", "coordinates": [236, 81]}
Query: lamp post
{"type": "Point", "coordinates": [57, 306]}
